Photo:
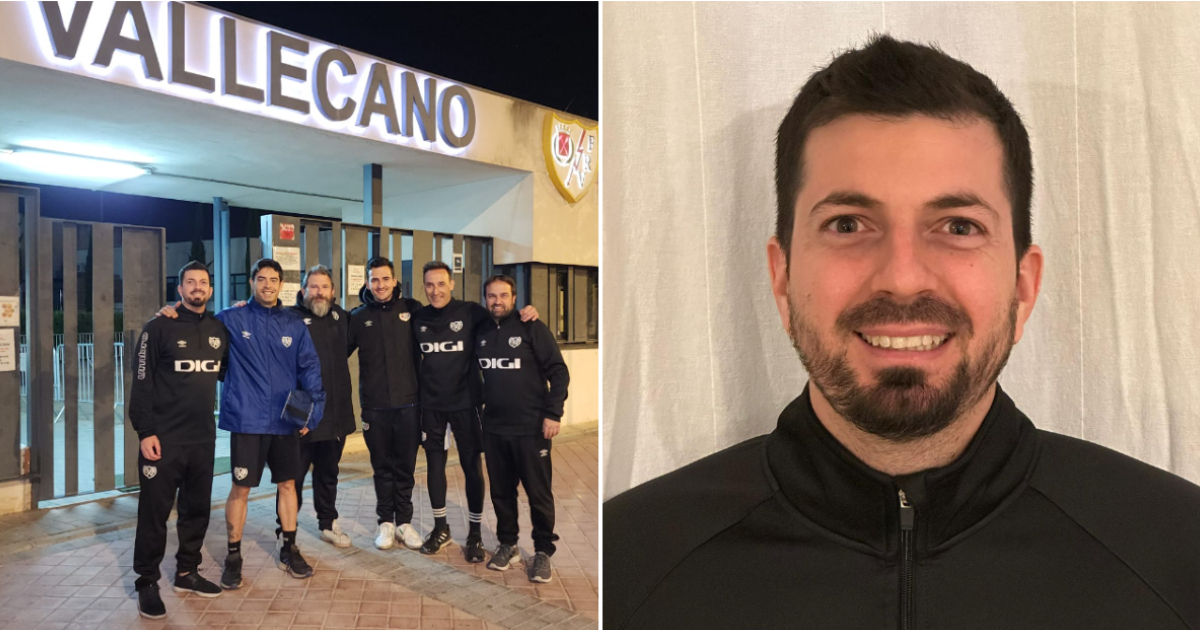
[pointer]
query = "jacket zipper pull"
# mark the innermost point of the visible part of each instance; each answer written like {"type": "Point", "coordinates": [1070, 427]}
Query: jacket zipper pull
{"type": "Point", "coordinates": [906, 513]}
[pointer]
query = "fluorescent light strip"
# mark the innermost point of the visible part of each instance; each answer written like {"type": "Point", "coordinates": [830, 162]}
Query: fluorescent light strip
{"type": "Point", "coordinates": [54, 163]}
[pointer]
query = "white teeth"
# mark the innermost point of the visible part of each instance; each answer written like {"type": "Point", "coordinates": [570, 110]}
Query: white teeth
{"type": "Point", "coordinates": [922, 343]}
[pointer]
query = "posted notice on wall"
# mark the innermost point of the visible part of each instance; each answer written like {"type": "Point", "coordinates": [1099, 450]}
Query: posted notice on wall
{"type": "Point", "coordinates": [10, 311]}
{"type": "Point", "coordinates": [287, 257]}
{"type": "Point", "coordinates": [8, 350]}
{"type": "Point", "coordinates": [356, 277]}
{"type": "Point", "coordinates": [288, 293]}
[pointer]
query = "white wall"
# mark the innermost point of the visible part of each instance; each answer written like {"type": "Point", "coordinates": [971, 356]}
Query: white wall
{"type": "Point", "coordinates": [583, 394]}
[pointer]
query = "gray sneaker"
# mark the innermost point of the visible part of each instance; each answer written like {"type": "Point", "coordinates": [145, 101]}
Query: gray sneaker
{"type": "Point", "coordinates": [503, 558]}
{"type": "Point", "coordinates": [539, 568]}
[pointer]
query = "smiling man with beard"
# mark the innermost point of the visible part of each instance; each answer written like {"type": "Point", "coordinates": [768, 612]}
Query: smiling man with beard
{"type": "Point", "coordinates": [903, 487]}
{"type": "Point", "coordinates": [179, 361]}
{"type": "Point", "coordinates": [329, 326]}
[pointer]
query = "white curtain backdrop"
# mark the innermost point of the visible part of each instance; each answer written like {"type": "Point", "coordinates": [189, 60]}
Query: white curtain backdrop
{"type": "Point", "coordinates": [695, 358]}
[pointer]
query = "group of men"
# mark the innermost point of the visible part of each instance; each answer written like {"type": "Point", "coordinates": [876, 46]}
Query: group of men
{"type": "Point", "coordinates": [493, 375]}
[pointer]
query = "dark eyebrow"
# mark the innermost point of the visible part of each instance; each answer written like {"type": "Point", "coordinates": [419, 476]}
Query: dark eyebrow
{"type": "Point", "coordinates": [961, 200]}
{"type": "Point", "coordinates": [847, 198]}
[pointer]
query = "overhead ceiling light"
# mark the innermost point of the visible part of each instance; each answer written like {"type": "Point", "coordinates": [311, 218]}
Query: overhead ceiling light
{"type": "Point", "coordinates": [67, 165]}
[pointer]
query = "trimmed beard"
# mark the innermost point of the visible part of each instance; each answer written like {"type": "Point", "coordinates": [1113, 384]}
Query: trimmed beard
{"type": "Point", "coordinates": [195, 302]}
{"type": "Point", "coordinates": [902, 406]}
{"type": "Point", "coordinates": [506, 313]}
{"type": "Point", "coordinates": [320, 308]}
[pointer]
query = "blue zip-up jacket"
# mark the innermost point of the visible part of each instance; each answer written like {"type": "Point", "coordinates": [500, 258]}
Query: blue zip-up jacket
{"type": "Point", "coordinates": [270, 354]}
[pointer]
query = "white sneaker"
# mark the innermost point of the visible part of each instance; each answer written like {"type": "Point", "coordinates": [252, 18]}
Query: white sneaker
{"type": "Point", "coordinates": [386, 536]}
{"type": "Point", "coordinates": [408, 536]}
{"type": "Point", "coordinates": [335, 535]}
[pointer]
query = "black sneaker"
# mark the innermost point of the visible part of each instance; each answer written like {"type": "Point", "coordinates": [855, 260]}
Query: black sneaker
{"type": "Point", "coordinates": [539, 568]}
{"type": "Point", "coordinates": [503, 558]}
{"type": "Point", "coordinates": [438, 539]}
{"type": "Point", "coordinates": [473, 551]}
{"type": "Point", "coordinates": [193, 583]}
{"type": "Point", "coordinates": [150, 605]}
{"type": "Point", "coordinates": [231, 577]}
{"type": "Point", "coordinates": [293, 563]}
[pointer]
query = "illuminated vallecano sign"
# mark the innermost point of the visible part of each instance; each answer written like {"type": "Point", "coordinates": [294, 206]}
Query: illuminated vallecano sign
{"type": "Point", "coordinates": [278, 74]}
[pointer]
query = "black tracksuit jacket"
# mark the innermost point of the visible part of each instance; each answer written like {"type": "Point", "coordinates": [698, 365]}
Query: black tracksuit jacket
{"type": "Point", "coordinates": [449, 373]}
{"type": "Point", "coordinates": [176, 368]}
{"type": "Point", "coordinates": [387, 354]}
{"type": "Point", "coordinates": [517, 359]}
{"type": "Point", "coordinates": [331, 337]}
{"type": "Point", "coordinates": [1026, 530]}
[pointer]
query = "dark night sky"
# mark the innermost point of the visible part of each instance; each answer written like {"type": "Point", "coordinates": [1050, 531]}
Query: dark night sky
{"type": "Point", "coordinates": [544, 52]}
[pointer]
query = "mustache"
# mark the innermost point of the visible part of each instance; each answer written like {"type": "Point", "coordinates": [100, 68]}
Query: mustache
{"type": "Point", "coordinates": [926, 309]}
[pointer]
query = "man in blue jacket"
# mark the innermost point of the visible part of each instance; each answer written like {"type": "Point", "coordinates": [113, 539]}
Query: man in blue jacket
{"type": "Point", "coordinates": [270, 353]}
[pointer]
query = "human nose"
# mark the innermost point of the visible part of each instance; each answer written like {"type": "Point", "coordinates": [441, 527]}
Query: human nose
{"type": "Point", "coordinates": [905, 267]}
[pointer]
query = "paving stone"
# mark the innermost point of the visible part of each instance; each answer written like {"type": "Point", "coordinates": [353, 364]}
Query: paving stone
{"type": "Point", "coordinates": [75, 563]}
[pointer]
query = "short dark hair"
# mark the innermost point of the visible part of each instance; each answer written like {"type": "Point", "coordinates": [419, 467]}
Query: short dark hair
{"type": "Point", "coordinates": [317, 270]}
{"type": "Point", "coordinates": [380, 261]}
{"type": "Point", "coordinates": [501, 278]}
{"type": "Point", "coordinates": [265, 263]}
{"type": "Point", "coordinates": [194, 265]}
{"type": "Point", "coordinates": [436, 264]}
{"type": "Point", "coordinates": [893, 78]}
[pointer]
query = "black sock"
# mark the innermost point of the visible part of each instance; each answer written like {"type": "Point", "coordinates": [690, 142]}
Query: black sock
{"type": "Point", "coordinates": [289, 538]}
{"type": "Point", "coordinates": [235, 547]}
{"type": "Point", "coordinates": [439, 521]}
{"type": "Point", "coordinates": [475, 526]}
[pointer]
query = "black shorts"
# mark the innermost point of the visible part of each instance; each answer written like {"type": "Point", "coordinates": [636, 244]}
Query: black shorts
{"type": "Point", "coordinates": [248, 452]}
{"type": "Point", "coordinates": [468, 433]}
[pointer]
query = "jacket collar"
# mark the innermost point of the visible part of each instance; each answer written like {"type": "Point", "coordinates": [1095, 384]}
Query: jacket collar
{"type": "Point", "coordinates": [454, 302]}
{"type": "Point", "coordinates": [184, 314]}
{"type": "Point", "coordinates": [839, 493]}
{"type": "Point", "coordinates": [507, 319]}
{"type": "Point", "coordinates": [253, 305]}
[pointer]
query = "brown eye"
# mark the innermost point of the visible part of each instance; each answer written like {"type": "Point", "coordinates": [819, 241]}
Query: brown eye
{"type": "Point", "coordinates": [846, 225]}
{"type": "Point", "coordinates": [960, 227]}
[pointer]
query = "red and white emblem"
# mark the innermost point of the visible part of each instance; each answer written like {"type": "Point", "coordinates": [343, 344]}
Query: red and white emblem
{"type": "Point", "coordinates": [572, 155]}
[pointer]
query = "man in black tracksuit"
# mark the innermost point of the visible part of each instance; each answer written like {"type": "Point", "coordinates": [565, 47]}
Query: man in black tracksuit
{"type": "Point", "coordinates": [903, 488]}
{"type": "Point", "coordinates": [381, 331]}
{"type": "Point", "coordinates": [450, 396]}
{"type": "Point", "coordinates": [329, 326]}
{"type": "Point", "coordinates": [520, 417]}
{"type": "Point", "coordinates": [171, 407]}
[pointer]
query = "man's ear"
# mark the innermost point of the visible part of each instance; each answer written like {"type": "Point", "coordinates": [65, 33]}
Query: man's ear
{"type": "Point", "coordinates": [777, 266]}
{"type": "Point", "coordinates": [1029, 284]}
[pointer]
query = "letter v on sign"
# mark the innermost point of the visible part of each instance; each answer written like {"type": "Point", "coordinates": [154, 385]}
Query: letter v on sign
{"type": "Point", "coordinates": [65, 38]}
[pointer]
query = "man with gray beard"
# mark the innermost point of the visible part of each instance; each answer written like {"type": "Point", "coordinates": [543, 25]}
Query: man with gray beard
{"type": "Point", "coordinates": [329, 326]}
{"type": "Point", "coordinates": [903, 487]}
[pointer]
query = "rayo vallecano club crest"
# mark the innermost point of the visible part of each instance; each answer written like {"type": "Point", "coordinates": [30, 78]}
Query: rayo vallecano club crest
{"type": "Point", "coordinates": [571, 155]}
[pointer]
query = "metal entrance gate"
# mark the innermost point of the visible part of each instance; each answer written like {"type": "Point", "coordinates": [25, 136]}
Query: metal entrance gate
{"type": "Point", "coordinates": [125, 264]}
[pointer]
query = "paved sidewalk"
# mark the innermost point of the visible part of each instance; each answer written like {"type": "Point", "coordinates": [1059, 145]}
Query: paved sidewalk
{"type": "Point", "coordinates": [72, 567]}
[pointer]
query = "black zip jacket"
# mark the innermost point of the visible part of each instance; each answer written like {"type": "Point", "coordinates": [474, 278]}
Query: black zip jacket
{"type": "Point", "coordinates": [1026, 530]}
{"type": "Point", "coordinates": [387, 354]}
{"type": "Point", "coordinates": [449, 373]}
{"type": "Point", "coordinates": [331, 337]}
{"type": "Point", "coordinates": [517, 359]}
{"type": "Point", "coordinates": [175, 375]}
